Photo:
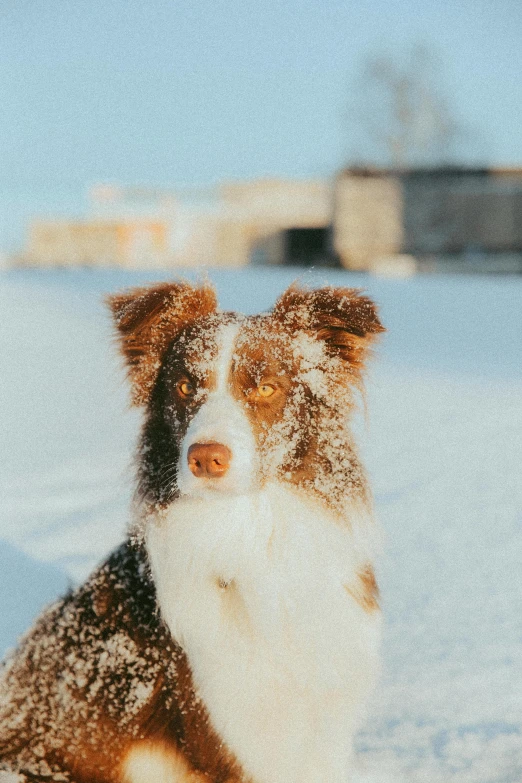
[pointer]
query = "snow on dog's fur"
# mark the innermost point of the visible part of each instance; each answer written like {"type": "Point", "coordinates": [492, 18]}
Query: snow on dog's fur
{"type": "Point", "coordinates": [234, 636]}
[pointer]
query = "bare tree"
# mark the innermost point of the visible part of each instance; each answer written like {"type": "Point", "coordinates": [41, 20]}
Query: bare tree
{"type": "Point", "coordinates": [402, 110]}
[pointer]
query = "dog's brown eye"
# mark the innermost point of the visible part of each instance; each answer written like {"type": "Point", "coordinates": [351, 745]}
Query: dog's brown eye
{"type": "Point", "coordinates": [186, 388]}
{"type": "Point", "coordinates": [265, 390]}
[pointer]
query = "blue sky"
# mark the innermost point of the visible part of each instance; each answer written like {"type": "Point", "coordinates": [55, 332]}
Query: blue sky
{"type": "Point", "coordinates": [193, 91]}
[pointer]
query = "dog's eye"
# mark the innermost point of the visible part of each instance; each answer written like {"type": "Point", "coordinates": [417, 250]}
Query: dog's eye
{"type": "Point", "coordinates": [265, 390]}
{"type": "Point", "coordinates": [186, 388]}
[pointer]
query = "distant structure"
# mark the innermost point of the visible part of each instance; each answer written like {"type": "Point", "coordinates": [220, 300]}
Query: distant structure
{"type": "Point", "coordinates": [393, 221]}
{"type": "Point", "coordinates": [447, 217]}
{"type": "Point", "coordinates": [253, 213]}
{"type": "Point", "coordinates": [97, 243]}
{"type": "Point", "coordinates": [298, 246]}
{"type": "Point", "coordinates": [149, 227]}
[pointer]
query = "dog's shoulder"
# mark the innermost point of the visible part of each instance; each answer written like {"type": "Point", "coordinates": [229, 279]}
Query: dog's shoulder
{"type": "Point", "coordinates": [99, 661]}
{"type": "Point", "coordinates": [117, 601]}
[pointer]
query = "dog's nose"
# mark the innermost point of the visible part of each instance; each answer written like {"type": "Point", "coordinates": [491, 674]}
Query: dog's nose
{"type": "Point", "coordinates": [209, 460]}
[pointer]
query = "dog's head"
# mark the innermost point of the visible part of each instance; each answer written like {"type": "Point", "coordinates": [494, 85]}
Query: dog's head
{"type": "Point", "coordinates": [233, 402]}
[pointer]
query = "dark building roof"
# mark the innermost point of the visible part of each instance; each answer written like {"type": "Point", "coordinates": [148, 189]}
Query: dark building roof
{"type": "Point", "coordinates": [430, 171]}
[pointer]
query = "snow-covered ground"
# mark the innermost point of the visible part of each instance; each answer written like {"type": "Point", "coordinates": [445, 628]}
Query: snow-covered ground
{"type": "Point", "coordinates": [444, 449]}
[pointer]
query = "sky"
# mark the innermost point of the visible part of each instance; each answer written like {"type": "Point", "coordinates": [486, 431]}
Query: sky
{"type": "Point", "coordinates": [194, 91]}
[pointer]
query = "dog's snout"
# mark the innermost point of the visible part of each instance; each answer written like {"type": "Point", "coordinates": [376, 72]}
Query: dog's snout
{"type": "Point", "coordinates": [209, 460]}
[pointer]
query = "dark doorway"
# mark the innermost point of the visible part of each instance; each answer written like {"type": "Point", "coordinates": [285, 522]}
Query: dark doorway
{"type": "Point", "coordinates": [308, 246]}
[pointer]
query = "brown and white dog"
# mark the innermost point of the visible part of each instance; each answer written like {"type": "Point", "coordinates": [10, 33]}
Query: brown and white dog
{"type": "Point", "coordinates": [234, 637]}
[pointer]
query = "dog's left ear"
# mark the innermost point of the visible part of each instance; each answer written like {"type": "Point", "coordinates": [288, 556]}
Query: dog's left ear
{"type": "Point", "coordinates": [148, 320]}
{"type": "Point", "coordinates": [343, 318]}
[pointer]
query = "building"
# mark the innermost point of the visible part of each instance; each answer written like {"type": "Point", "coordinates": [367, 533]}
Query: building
{"type": "Point", "coordinates": [446, 218]}
{"type": "Point", "coordinates": [97, 243]}
{"type": "Point", "coordinates": [149, 227]}
{"type": "Point", "coordinates": [255, 212]}
{"type": "Point", "coordinates": [300, 246]}
{"type": "Point", "coordinates": [452, 215]}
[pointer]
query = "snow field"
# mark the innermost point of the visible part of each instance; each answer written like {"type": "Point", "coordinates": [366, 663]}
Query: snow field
{"type": "Point", "coordinates": [444, 450]}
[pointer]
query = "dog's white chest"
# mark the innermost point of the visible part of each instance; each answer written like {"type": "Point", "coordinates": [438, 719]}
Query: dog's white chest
{"type": "Point", "coordinates": [253, 588]}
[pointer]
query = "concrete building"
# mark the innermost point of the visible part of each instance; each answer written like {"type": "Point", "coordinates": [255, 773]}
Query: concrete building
{"type": "Point", "coordinates": [256, 213]}
{"type": "Point", "coordinates": [300, 246]}
{"type": "Point", "coordinates": [446, 214]}
{"type": "Point", "coordinates": [456, 218]}
{"type": "Point", "coordinates": [146, 227]}
{"type": "Point", "coordinates": [137, 243]}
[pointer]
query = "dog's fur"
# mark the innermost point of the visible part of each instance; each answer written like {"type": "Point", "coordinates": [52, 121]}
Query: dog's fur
{"type": "Point", "coordinates": [234, 635]}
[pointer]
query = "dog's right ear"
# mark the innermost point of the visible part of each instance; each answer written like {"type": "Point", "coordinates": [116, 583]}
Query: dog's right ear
{"type": "Point", "coordinates": [148, 319]}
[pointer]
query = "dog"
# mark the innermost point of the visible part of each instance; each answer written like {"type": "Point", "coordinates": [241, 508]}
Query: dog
{"type": "Point", "coordinates": [234, 636]}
